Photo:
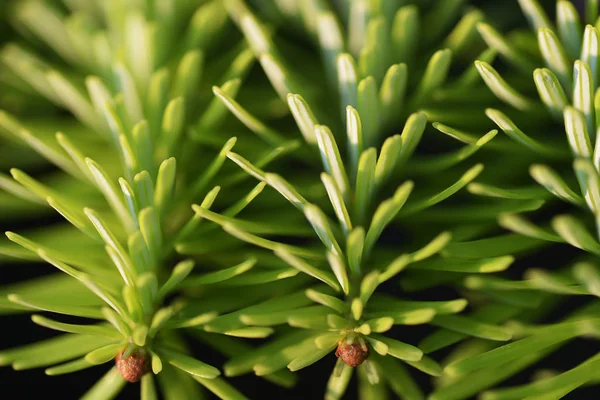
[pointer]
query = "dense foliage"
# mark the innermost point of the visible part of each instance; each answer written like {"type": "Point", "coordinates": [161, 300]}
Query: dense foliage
{"type": "Point", "coordinates": [285, 182]}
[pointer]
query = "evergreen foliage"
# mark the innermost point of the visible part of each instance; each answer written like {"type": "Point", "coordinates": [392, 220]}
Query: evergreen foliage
{"type": "Point", "coordinates": [288, 181]}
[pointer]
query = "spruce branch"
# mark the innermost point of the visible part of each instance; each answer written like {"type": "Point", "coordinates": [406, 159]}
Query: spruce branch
{"type": "Point", "coordinates": [565, 77]}
{"type": "Point", "coordinates": [359, 209]}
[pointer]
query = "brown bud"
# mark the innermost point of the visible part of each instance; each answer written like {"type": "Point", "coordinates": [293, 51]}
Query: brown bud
{"type": "Point", "coordinates": [352, 354]}
{"type": "Point", "coordinates": [135, 366]}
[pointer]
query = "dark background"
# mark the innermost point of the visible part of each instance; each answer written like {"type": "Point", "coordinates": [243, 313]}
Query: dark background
{"type": "Point", "coordinates": [34, 384]}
